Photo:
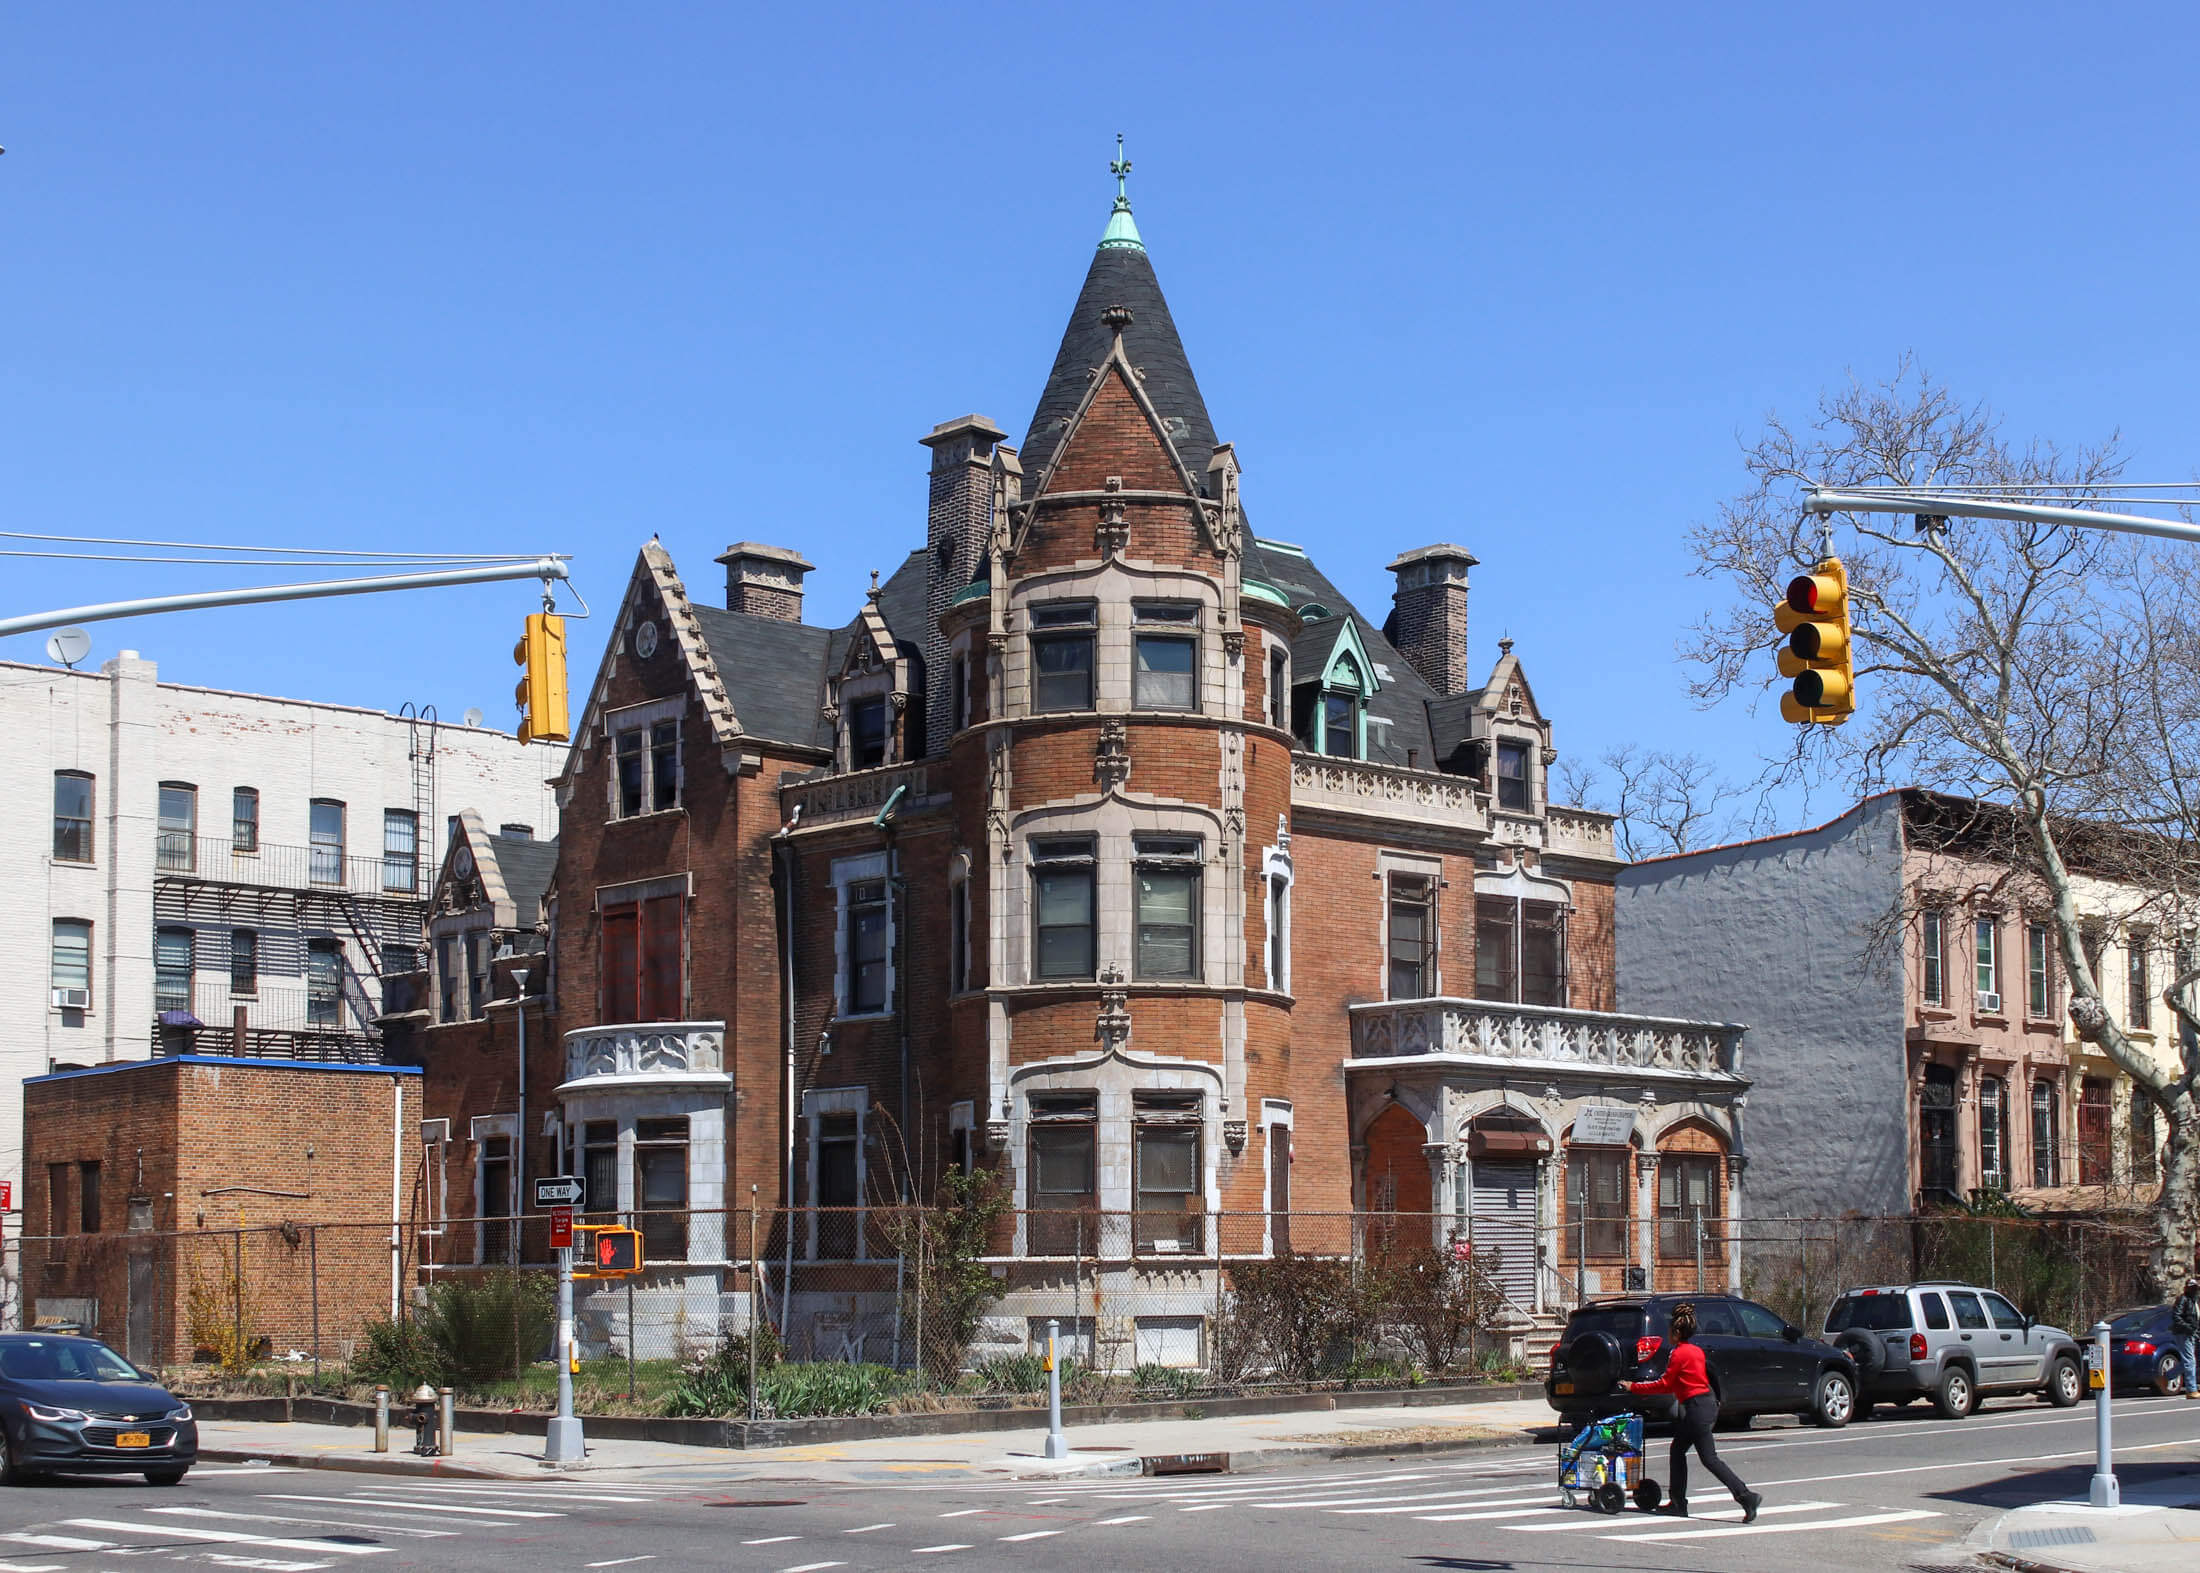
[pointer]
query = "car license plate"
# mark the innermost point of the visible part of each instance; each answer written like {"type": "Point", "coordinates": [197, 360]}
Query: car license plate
{"type": "Point", "coordinates": [1562, 1387]}
{"type": "Point", "coordinates": [134, 1439]}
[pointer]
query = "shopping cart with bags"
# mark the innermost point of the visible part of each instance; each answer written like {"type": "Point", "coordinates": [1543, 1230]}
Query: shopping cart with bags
{"type": "Point", "coordinates": [1603, 1467]}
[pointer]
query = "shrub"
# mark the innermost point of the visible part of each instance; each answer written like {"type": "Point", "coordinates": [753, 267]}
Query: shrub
{"type": "Point", "coordinates": [717, 1383]}
{"type": "Point", "coordinates": [1166, 1382]}
{"type": "Point", "coordinates": [464, 1335]}
{"type": "Point", "coordinates": [1433, 1301]}
{"type": "Point", "coordinates": [1025, 1373]}
{"type": "Point", "coordinates": [1294, 1315]}
{"type": "Point", "coordinates": [829, 1388]}
{"type": "Point", "coordinates": [400, 1355]}
{"type": "Point", "coordinates": [946, 1245]}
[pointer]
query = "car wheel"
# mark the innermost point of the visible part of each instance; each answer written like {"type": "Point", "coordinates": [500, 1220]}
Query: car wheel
{"type": "Point", "coordinates": [164, 1477]}
{"type": "Point", "coordinates": [12, 1472]}
{"type": "Point", "coordinates": [2065, 1383]}
{"type": "Point", "coordinates": [1955, 1398]}
{"type": "Point", "coordinates": [2169, 1375]}
{"type": "Point", "coordinates": [1834, 1404]}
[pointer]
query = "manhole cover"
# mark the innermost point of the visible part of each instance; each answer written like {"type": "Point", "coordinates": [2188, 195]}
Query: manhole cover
{"type": "Point", "coordinates": [762, 1502]}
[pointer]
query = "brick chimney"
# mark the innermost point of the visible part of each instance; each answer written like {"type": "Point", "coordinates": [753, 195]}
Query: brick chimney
{"type": "Point", "coordinates": [764, 581]}
{"type": "Point", "coordinates": [957, 520]}
{"type": "Point", "coordinates": [1428, 618]}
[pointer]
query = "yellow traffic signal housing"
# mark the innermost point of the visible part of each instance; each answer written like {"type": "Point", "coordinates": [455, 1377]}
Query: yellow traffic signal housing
{"type": "Point", "coordinates": [606, 1251]}
{"type": "Point", "coordinates": [540, 691]}
{"type": "Point", "coordinates": [1815, 617]}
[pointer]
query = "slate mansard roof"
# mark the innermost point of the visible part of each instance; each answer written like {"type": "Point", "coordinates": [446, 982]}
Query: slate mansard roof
{"type": "Point", "coordinates": [528, 866]}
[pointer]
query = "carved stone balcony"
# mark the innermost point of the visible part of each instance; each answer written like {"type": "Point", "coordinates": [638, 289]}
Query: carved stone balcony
{"type": "Point", "coordinates": [650, 1053]}
{"type": "Point", "coordinates": [1355, 787]}
{"type": "Point", "coordinates": [1545, 1036]}
{"type": "Point", "coordinates": [1581, 833]}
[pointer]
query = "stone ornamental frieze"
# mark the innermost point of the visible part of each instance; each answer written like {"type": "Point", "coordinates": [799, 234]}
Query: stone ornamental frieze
{"type": "Point", "coordinates": [1545, 1034]}
{"type": "Point", "coordinates": [665, 1048]}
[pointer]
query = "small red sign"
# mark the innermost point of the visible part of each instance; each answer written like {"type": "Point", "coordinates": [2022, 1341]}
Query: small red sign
{"type": "Point", "coordinates": [7, 1196]}
{"type": "Point", "coordinates": [561, 1228]}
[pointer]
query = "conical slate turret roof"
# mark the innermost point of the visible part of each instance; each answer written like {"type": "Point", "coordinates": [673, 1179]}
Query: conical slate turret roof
{"type": "Point", "coordinates": [1122, 275]}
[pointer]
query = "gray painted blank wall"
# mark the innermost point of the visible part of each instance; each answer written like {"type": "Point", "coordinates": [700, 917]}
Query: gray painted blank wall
{"type": "Point", "coordinates": [1774, 935]}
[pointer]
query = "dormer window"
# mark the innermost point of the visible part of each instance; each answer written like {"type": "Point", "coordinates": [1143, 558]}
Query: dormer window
{"type": "Point", "coordinates": [1513, 777]}
{"type": "Point", "coordinates": [1340, 724]}
{"type": "Point", "coordinates": [645, 759]}
{"type": "Point", "coordinates": [1061, 656]}
{"type": "Point", "coordinates": [867, 733]}
{"type": "Point", "coordinates": [1329, 708]}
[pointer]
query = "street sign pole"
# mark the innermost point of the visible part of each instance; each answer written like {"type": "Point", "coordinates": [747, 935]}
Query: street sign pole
{"type": "Point", "coordinates": [2103, 1491]}
{"type": "Point", "coordinates": [564, 1443]}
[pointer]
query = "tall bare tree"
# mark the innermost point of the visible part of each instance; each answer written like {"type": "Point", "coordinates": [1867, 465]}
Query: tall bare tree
{"type": "Point", "coordinates": [2017, 664]}
{"type": "Point", "coordinates": [1663, 802]}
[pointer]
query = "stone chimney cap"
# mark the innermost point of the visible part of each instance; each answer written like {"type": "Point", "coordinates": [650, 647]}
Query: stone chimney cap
{"type": "Point", "coordinates": [979, 427]}
{"type": "Point", "coordinates": [1423, 554]}
{"type": "Point", "coordinates": [774, 554]}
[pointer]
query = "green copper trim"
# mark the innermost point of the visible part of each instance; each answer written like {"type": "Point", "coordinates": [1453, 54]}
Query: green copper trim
{"type": "Point", "coordinates": [1122, 231]}
{"type": "Point", "coordinates": [1261, 590]}
{"type": "Point", "coordinates": [970, 592]}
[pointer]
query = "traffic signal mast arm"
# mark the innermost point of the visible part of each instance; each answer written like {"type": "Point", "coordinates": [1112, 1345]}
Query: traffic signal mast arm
{"type": "Point", "coordinates": [1932, 502]}
{"type": "Point", "coordinates": [545, 568]}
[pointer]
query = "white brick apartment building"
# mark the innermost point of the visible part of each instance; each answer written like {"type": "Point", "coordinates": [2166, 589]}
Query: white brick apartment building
{"type": "Point", "coordinates": [193, 871]}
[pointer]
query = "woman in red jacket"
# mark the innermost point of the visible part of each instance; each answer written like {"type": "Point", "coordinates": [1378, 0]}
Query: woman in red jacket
{"type": "Point", "coordinates": [1685, 1380]}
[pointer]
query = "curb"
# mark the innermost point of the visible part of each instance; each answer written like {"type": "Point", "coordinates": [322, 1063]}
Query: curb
{"type": "Point", "coordinates": [356, 1463]}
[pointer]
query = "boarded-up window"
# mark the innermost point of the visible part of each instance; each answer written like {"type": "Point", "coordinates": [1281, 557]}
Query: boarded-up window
{"type": "Point", "coordinates": [644, 948]}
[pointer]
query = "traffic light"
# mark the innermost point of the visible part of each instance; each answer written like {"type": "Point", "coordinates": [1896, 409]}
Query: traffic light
{"type": "Point", "coordinates": [540, 691]}
{"type": "Point", "coordinates": [1815, 618]}
{"type": "Point", "coordinates": [604, 1251]}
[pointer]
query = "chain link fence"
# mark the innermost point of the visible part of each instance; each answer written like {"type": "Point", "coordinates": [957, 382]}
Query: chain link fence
{"type": "Point", "coordinates": [845, 1310]}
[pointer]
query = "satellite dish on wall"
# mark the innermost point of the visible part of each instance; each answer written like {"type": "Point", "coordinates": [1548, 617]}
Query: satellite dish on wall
{"type": "Point", "coordinates": [473, 716]}
{"type": "Point", "coordinates": [69, 646]}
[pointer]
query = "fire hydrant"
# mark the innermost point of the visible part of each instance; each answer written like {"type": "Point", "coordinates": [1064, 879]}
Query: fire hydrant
{"type": "Point", "coordinates": [425, 1443]}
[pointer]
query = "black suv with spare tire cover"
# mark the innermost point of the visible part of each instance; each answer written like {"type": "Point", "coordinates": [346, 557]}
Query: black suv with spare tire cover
{"type": "Point", "coordinates": [1758, 1363]}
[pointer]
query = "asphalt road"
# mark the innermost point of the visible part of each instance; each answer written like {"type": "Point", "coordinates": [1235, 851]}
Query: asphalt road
{"type": "Point", "coordinates": [1886, 1493]}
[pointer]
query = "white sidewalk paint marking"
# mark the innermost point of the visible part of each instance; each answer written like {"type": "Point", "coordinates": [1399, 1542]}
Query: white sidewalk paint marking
{"type": "Point", "coordinates": [412, 1507]}
{"type": "Point", "coordinates": [1503, 1512]}
{"type": "Point", "coordinates": [953, 1545]}
{"type": "Point", "coordinates": [866, 1529]}
{"type": "Point", "coordinates": [1856, 1522]}
{"type": "Point", "coordinates": [1030, 1534]}
{"type": "Point", "coordinates": [184, 1532]}
{"type": "Point", "coordinates": [771, 1540]}
{"type": "Point", "coordinates": [1651, 1527]}
{"type": "Point", "coordinates": [1127, 1518]}
{"type": "Point", "coordinates": [281, 1518]}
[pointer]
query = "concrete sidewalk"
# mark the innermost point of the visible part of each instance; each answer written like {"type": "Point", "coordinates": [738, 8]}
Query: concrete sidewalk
{"type": "Point", "coordinates": [1251, 1441]}
{"type": "Point", "coordinates": [2071, 1537]}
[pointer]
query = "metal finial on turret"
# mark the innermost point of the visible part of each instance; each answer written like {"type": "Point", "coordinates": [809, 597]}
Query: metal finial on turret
{"type": "Point", "coordinates": [1122, 230]}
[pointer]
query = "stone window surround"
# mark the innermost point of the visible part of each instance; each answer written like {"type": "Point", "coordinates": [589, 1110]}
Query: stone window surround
{"type": "Point", "coordinates": [704, 1108]}
{"type": "Point", "coordinates": [817, 1103]}
{"type": "Point", "coordinates": [1114, 827]}
{"type": "Point", "coordinates": [1413, 865]}
{"type": "Point", "coordinates": [642, 717]}
{"type": "Point", "coordinates": [881, 683]}
{"type": "Point", "coordinates": [1275, 864]}
{"type": "Point", "coordinates": [1505, 729]}
{"type": "Point", "coordinates": [1275, 1114]}
{"type": "Point", "coordinates": [1516, 884]}
{"type": "Point", "coordinates": [479, 1133]}
{"type": "Point", "coordinates": [958, 898]}
{"type": "Point", "coordinates": [1112, 1081]}
{"type": "Point", "coordinates": [1111, 589]}
{"type": "Point", "coordinates": [454, 927]}
{"type": "Point", "coordinates": [852, 871]}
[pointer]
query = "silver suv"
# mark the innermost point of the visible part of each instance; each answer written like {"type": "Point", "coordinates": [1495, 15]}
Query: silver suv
{"type": "Point", "coordinates": [1954, 1343]}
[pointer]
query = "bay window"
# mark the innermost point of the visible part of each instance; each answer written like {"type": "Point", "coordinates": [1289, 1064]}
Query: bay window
{"type": "Point", "coordinates": [1164, 655]}
{"type": "Point", "coordinates": [1061, 655]}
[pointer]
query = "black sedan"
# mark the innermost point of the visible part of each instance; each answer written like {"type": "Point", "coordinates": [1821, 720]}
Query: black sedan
{"type": "Point", "coordinates": [72, 1404]}
{"type": "Point", "coordinates": [2142, 1352]}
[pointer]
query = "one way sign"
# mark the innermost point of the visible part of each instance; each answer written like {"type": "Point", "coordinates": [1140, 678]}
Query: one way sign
{"type": "Point", "coordinates": [564, 1190]}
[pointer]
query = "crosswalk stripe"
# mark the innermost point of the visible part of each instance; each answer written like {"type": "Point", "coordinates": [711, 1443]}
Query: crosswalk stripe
{"type": "Point", "coordinates": [925, 1551]}
{"type": "Point", "coordinates": [412, 1507]}
{"type": "Point", "coordinates": [1127, 1518]}
{"type": "Point", "coordinates": [562, 1493]}
{"type": "Point", "coordinates": [1254, 1489]}
{"type": "Point", "coordinates": [60, 1542]}
{"type": "Point", "coordinates": [866, 1529]}
{"type": "Point", "coordinates": [30, 1567]}
{"type": "Point", "coordinates": [771, 1540]}
{"type": "Point", "coordinates": [281, 1518]}
{"type": "Point", "coordinates": [1857, 1522]}
{"type": "Point", "coordinates": [1030, 1534]}
{"type": "Point", "coordinates": [812, 1567]}
{"type": "Point", "coordinates": [263, 1564]}
{"type": "Point", "coordinates": [230, 1537]}
{"type": "Point", "coordinates": [1592, 1522]}
{"type": "Point", "coordinates": [1435, 1504]}
{"type": "Point", "coordinates": [1501, 1512]}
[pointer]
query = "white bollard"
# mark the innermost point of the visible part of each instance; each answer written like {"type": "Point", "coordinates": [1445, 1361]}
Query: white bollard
{"type": "Point", "coordinates": [2104, 1492]}
{"type": "Point", "coordinates": [1057, 1443]}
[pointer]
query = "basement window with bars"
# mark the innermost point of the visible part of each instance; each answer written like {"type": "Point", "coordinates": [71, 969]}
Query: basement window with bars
{"type": "Point", "coordinates": [1063, 1163]}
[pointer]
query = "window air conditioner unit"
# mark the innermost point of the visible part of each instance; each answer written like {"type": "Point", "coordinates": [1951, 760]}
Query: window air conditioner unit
{"type": "Point", "coordinates": [73, 999]}
{"type": "Point", "coordinates": [1989, 1003]}
{"type": "Point", "coordinates": [434, 1133]}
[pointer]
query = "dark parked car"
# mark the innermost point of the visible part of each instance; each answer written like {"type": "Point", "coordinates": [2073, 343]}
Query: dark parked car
{"type": "Point", "coordinates": [1758, 1363]}
{"type": "Point", "coordinates": [2143, 1353]}
{"type": "Point", "coordinates": [73, 1405]}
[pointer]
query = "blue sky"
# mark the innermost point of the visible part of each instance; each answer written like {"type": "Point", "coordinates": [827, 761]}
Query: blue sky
{"type": "Point", "coordinates": [545, 276]}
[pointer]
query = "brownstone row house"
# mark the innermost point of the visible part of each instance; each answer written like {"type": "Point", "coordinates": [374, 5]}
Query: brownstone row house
{"type": "Point", "coordinates": [1107, 846]}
